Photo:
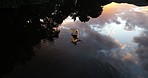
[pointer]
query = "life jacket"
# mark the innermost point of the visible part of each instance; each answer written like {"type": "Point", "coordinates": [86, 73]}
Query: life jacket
{"type": "Point", "coordinates": [75, 35]}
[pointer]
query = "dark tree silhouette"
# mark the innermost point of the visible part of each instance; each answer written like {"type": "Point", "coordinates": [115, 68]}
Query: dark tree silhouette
{"type": "Point", "coordinates": [21, 27]}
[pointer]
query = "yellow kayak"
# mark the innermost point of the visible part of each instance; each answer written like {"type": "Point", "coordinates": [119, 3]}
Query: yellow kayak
{"type": "Point", "coordinates": [74, 39]}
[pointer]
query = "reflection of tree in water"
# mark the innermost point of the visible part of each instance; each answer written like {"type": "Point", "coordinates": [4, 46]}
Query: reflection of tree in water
{"type": "Point", "coordinates": [24, 26]}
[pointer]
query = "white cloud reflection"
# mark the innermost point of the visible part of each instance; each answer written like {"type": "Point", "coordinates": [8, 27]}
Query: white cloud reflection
{"type": "Point", "coordinates": [122, 25]}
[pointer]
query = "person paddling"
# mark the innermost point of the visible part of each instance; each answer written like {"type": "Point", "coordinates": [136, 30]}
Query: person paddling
{"type": "Point", "coordinates": [75, 36]}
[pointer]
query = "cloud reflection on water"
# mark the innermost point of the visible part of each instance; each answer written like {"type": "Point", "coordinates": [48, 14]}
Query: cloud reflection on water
{"type": "Point", "coordinates": [125, 25]}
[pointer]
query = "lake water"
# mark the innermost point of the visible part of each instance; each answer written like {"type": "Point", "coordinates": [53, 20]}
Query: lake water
{"type": "Point", "coordinates": [113, 45]}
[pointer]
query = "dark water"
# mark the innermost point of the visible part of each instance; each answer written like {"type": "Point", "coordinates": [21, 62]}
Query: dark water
{"type": "Point", "coordinates": [95, 56]}
{"type": "Point", "coordinates": [62, 59]}
{"type": "Point", "coordinates": [31, 53]}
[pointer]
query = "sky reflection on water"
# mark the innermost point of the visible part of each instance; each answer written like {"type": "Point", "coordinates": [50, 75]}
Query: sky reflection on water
{"type": "Point", "coordinates": [118, 37]}
{"type": "Point", "coordinates": [126, 24]}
